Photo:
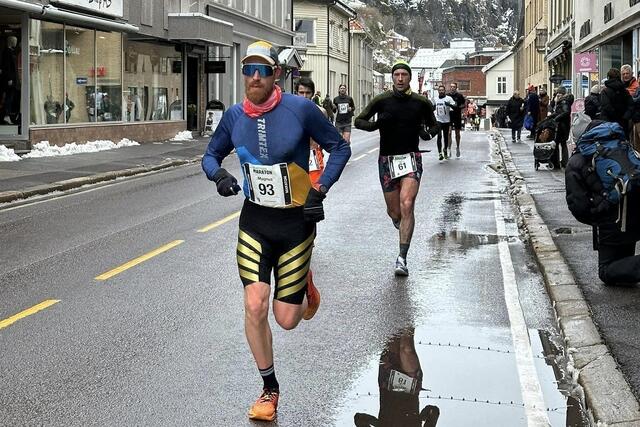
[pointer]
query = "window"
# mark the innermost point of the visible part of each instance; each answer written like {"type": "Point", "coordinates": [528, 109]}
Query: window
{"type": "Point", "coordinates": [46, 48]}
{"type": "Point", "coordinates": [108, 74]}
{"type": "Point", "coordinates": [307, 26]}
{"type": "Point", "coordinates": [502, 85]}
{"type": "Point", "coordinates": [152, 82]}
{"type": "Point", "coordinates": [464, 85]}
{"type": "Point", "coordinates": [332, 26]}
{"type": "Point", "coordinates": [79, 58]}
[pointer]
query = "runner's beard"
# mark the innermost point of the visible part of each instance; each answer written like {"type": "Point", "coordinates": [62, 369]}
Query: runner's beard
{"type": "Point", "coordinates": [258, 94]}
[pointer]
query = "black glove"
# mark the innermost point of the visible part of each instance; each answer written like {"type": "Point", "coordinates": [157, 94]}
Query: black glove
{"type": "Point", "coordinates": [313, 210]}
{"type": "Point", "coordinates": [382, 118]}
{"type": "Point", "coordinates": [227, 184]}
{"type": "Point", "coordinates": [424, 135]}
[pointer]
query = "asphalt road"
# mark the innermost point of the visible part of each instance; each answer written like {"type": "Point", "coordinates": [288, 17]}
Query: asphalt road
{"type": "Point", "coordinates": [162, 342]}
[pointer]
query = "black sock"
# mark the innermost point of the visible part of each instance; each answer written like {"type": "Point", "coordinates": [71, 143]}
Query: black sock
{"type": "Point", "coordinates": [269, 378]}
{"type": "Point", "coordinates": [404, 249]}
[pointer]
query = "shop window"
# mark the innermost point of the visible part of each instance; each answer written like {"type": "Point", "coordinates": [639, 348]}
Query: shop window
{"type": "Point", "coordinates": [152, 82]}
{"type": "Point", "coordinates": [80, 74]}
{"type": "Point", "coordinates": [48, 102]}
{"type": "Point", "coordinates": [108, 75]}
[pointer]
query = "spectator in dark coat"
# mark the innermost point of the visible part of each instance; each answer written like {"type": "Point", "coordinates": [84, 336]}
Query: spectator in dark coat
{"type": "Point", "coordinates": [592, 103]}
{"type": "Point", "coordinates": [515, 113]}
{"type": "Point", "coordinates": [635, 121]}
{"type": "Point", "coordinates": [615, 101]}
{"type": "Point", "coordinates": [562, 117]}
{"type": "Point", "coordinates": [532, 107]}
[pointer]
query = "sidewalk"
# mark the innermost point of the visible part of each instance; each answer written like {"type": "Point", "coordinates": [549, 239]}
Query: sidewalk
{"type": "Point", "coordinates": [29, 177]}
{"type": "Point", "coordinates": [599, 323]}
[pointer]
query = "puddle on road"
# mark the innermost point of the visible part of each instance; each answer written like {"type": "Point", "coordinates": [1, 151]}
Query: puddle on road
{"type": "Point", "coordinates": [460, 376]}
{"type": "Point", "coordinates": [465, 240]}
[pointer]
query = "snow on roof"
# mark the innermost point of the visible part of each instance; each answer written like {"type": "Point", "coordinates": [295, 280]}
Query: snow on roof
{"type": "Point", "coordinates": [434, 58]}
{"type": "Point", "coordinates": [392, 33]}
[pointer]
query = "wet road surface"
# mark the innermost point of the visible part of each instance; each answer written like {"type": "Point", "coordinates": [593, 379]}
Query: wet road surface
{"type": "Point", "coordinates": [160, 339]}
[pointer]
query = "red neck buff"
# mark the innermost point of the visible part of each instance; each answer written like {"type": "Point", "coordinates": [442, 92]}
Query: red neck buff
{"type": "Point", "coordinates": [252, 110]}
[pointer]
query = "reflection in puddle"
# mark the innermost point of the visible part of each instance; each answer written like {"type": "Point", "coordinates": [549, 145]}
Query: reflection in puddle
{"type": "Point", "coordinates": [400, 384]}
{"type": "Point", "coordinates": [458, 376]}
{"type": "Point", "coordinates": [465, 240]}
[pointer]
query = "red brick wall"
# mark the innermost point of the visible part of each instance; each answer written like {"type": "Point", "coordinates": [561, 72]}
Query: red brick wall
{"type": "Point", "coordinates": [477, 81]}
{"type": "Point", "coordinates": [139, 132]}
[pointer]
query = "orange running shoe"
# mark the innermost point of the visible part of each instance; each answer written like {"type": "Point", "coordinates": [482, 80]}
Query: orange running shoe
{"type": "Point", "coordinates": [313, 298]}
{"type": "Point", "coordinates": [265, 407]}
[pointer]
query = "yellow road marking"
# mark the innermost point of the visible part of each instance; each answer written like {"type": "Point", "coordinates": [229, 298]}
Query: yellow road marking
{"type": "Point", "coordinates": [375, 149]}
{"type": "Point", "coordinates": [218, 223]}
{"type": "Point", "coordinates": [140, 259]}
{"type": "Point", "coordinates": [28, 312]}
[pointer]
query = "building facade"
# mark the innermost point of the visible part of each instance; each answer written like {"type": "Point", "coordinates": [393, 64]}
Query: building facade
{"type": "Point", "coordinates": [325, 28]}
{"type": "Point", "coordinates": [534, 44]}
{"type": "Point", "coordinates": [610, 32]}
{"type": "Point", "coordinates": [83, 70]}
{"type": "Point", "coordinates": [470, 80]}
{"type": "Point", "coordinates": [361, 79]}
{"type": "Point", "coordinates": [559, 55]}
{"type": "Point", "coordinates": [499, 81]}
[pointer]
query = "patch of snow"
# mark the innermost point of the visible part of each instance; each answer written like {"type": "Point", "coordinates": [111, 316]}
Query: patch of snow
{"type": "Point", "coordinates": [184, 135]}
{"type": "Point", "coordinates": [8, 155]}
{"type": "Point", "coordinates": [43, 149]}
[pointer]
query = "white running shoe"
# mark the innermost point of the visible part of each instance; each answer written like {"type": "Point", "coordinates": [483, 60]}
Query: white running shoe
{"type": "Point", "coordinates": [401, 267]}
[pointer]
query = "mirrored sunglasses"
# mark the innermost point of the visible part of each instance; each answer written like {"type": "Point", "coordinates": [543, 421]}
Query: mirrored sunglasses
{"type": "Point", "coordinates": [263, 70]}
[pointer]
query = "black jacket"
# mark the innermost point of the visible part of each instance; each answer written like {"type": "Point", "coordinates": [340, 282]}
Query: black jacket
{"type": "Point", "coordinates": [563, 115]}
{"type": "Point", "coordinates": [586, 203]}
{"type": "Point", "coordinates": [515, 112]}
{"type": "Point", "coordinates": [615, 103]}
{"type": "Point", "coordinates": [592, 106]}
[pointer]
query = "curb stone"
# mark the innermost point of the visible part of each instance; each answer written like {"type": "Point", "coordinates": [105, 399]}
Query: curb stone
{"type": "Point", "coordinates": [608, 396]}
{"type": "Point", "coordinates": [69, 184]}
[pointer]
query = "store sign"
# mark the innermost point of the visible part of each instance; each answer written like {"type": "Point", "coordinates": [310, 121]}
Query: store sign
{"type": "Point", "coordinates": [81, 80]}
{"type": "Point", "coordinates": [566, 83]}
{"type": "Point", "coordinates": [585, 62]}
{"type": "Point", "coordinates": [106, 7]}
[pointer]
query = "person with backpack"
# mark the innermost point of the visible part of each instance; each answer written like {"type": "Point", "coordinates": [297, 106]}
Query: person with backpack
{"type": "Point", "coordinates": [615, 101]}
{"type": "Point", "coordinates": [592, 200]}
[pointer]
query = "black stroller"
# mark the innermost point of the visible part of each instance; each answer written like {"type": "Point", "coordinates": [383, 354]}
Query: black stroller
{"type": "Point", "coordinates": [544, 146]}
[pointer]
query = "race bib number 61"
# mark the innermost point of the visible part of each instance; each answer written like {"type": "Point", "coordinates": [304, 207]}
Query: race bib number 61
{"type": "Point", "coordinates": [402, 164]}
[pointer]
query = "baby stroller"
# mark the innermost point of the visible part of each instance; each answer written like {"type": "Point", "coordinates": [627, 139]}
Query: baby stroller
{"type": "Point", "coordinates": [544, 146]}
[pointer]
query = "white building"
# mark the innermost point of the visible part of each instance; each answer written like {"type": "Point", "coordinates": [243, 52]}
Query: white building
{"type": "Point", "coordinates": [499, 81]}
{"type": "Point", "coordinates": [427, 62]}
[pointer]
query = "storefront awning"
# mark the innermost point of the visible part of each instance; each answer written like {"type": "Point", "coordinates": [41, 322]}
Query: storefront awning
{"type": "Point", "coordinates": [199, 28]}
{"type": "Point", "coordinates": [557, 51]}
{"type": "Point", "coordinates": [290, 57]}
{"type": "Point", "coordinates": [50, 12]}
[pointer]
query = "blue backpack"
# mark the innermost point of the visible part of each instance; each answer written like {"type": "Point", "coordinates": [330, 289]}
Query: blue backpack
{"type": "Point", "coordinates": [615, 162]}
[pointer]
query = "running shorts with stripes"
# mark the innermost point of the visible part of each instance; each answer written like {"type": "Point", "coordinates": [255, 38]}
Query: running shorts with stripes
{"type": "Point", "coordinates": [278, 240]}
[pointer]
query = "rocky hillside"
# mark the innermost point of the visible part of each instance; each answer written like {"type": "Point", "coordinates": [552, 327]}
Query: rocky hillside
{"type": "Point", "coordinates": [432, 23]}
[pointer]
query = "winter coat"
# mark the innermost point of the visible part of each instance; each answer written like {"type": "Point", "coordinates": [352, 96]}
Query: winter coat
{"type": "Point", "coordinates": [515, 112]}
{"type": "Point", "coordinates": [583, 195]}
{"type": "Point", "coordinates": [563, 116]}
{"type": "Point", "coordinates": [615, 103]}
{"type": "Point", "coordinates": [532, 105]}
{"type": "Point", "coordinates": [632, 86]}
{"type": "Point", "coordinates": [544, 106]}
{"type": "Point", "coordinates": [592, 105]}
{"type": "Point", "coordinates": [635, 110]}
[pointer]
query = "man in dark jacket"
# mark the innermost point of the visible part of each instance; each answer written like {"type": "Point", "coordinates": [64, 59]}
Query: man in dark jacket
{"type": "Point", "coordinates": [562, 116]}
{"type": "Point", "coordinates": [515, 113]}
{"type": "Point", "coordinates": [532, 106]}
{"type": "Point", "coordinates": [617, 262]}
{"type": "Point", "coordinates": [592, 103]}
{"type": "Point", "coordinates": [635, 121]}
{"type": "Point", "coordinates": [615, 101]}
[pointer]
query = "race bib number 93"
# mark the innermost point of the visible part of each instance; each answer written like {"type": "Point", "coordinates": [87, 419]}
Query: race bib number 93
{"type": "Point", "coordinates": [269, 185]}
